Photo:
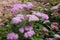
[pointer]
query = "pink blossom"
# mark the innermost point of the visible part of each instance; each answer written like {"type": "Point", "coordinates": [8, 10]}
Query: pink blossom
{"type": "Point", "coordinates": [28, 28]}
{"type": "Point", "coordinates": [57, 36]}
{"type": "Point", "coordinates": [40, 14]}
{"type": "Point", "coordinates": [44, 16]}
{"type": "Point", "coordinates": [25, 28]}
{"type": "Point", "coordinates": [20, 16]}
{"type": "Point", "coordinates": [20, 6]}
{"type": "Point", "coordinates": [55, 7]}
{"type": "Point", "coordinates": [29, 34]}
{"type": "Point", "coordinates": [16, 7]}
{"type": "Point", "coordinates": [28, 5]}
{"type": "Point", "coordinates": [29, 31]}
{"type": "Point", "coordinates": [53, 26]}
{"type": "Point", "coordinates": [21, 29]}
{"type": "Point", "coordinates": [24, 5]}
{"type": "Point", "coordinates": [32, 18]}
{"type": "Point", "coordinates": [16, 20]}
{"type": "Point", "coordinates": [15, 10]}
{"type": "Point", "coordinates": [36, 13]}
{"type": "Point", "coordinates": [12, 36]}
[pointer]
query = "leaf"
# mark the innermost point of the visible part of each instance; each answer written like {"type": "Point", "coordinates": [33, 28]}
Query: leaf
{"type": "Point", "coordinates": [57, 1]}
{"type": "Point", "coordinates": [22, 1]}
{"type": "Point", "coordinates": [36, 38]}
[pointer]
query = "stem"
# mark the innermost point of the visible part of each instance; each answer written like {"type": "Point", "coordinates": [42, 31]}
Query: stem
{"type": "Point", "coordinates": [50, 29]}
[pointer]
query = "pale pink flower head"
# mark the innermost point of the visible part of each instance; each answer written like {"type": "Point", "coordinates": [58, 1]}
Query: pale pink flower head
{"type": "Point", "coordinates": [24, 5]}
{"type": "Point", "coordinates": [57, 36]}
{"type": "Point", "coordinates": [12, 36]}
{"type": "Point", "coordinates": [25, 28]}
{"type": "Point", "coordinates": [21, 30]}
{"type": "Point", "coordinates": [16, 20]}
{"type": "Point", "coordinates": [28, 28]}
{"type": "Point", "coordinates": [21, 16]}
{"type": "Point", "coordinates": [54, 26]}
{"type": "Point", "coordinates": [29, 34]}
{"type": "Point", "coordinates": [44, 16]}
{"type": "Point", "coordinates": [32, 18]}
{"type": "Point", "coordinates": [29, 5]}
{"type": "Point", "coordinates": [36, 13]}
{"type": "Point", "coordinates": [20, 6]}
{"type": "Point", "coordinates": [40, 14]}
{"type": "Point", "coordinates": [16, 8]}
{"type": "Point", "coordinates": [55, 7]}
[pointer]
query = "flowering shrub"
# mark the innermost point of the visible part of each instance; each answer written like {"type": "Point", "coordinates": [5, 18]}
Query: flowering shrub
{"type": "Point", "coordinates": [29, 20]}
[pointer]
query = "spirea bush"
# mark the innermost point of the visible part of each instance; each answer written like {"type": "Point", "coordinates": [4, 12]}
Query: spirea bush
{"type": "Point", "coordinates": [29, 20]}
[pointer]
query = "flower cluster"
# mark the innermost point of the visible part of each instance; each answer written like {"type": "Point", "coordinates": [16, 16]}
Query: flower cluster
{"type": "Point", "coordinates": [19, 6]}
{"type": "Point", "coordinates": [30, 32]}
{"type": "Point", "coordinates": [12, 36]}
{"type": "Point", "coordinates": [29, 20]}
{"type": "Point", "coordinates": [30, 17]}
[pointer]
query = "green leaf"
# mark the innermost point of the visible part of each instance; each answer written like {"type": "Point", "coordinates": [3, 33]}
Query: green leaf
{"type": "Point", "coordinates": [36, 38]}
{"type": "Point", "coordinates": [22, 1]}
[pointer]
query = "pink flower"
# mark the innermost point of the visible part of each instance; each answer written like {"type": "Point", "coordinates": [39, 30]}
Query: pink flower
{"type": "Point", "coordinates": [16, 7]}
{"type": "Point", "coordinates": [32, 18]}
{"type": "Point", "coordinates": [57, 36]}
{"type": "Point", "coordinates": [20, 6]}
{"type": "Point", "coordinates": [53, 26]}
{"type": "Point", "coordinates": [36, 13]}
{"type": "Point", "coordinates": [24, 5]}
{"type": "Point", "coordinates": [12, 36]}
{"type": "Point", "coordinates": [29, 31]}
{"type": "Point", "coordinates": [20, 16]}
{"type": "Point", "coordinates": [29, 5]}
{"type": "Point", "coordinates": [28, 28]}
{"type": "Point", "coordinates": [16, 20]}
{"type": "Point", "coordinates": [39, 14]}
{"type": "Point", "coordinates": [15, 10]}
{"type": "Point", "coordinates": [44, 16]}
{"type": "Point", "coordinates": [55, 7]}
{"type": "Point", "coordinates": [21, 29]}
{"type": "Point", "coordinates": [29, 34]}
